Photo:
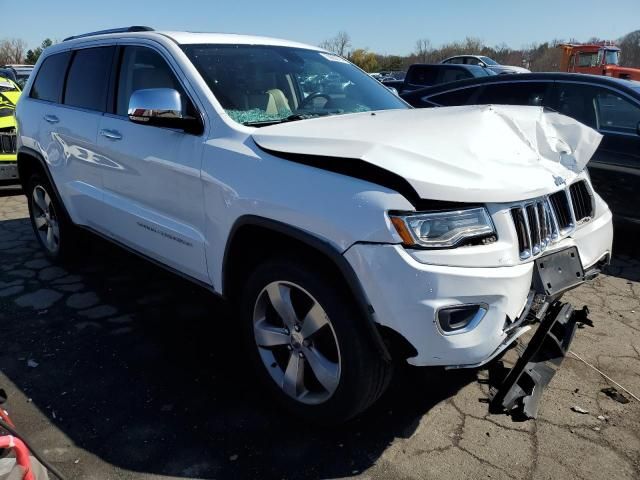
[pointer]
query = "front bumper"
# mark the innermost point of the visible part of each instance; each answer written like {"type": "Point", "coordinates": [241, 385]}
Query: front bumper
{"type": "Point", "coordinates": [407, 294]}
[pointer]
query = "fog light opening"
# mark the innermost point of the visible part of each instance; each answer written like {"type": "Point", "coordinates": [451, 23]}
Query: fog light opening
{"type": "Point", "coordinates": [460, 318]}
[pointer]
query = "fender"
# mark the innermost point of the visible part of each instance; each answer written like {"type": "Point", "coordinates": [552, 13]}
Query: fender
{"type": "Point", "coordinates": [324, 247]}
{"type": "Point", "coordinates": [29, 152]}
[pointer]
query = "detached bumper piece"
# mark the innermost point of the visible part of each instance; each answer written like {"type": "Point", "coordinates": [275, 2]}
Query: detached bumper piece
{"type": "Point", "coordinates": [520, 390]}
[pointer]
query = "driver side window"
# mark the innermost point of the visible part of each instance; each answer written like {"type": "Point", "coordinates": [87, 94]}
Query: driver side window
{"type": "Point", "coordinates": [142, 68]}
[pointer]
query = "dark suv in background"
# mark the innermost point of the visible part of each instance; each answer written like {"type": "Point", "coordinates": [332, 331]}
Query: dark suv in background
{"type": "Point", "coordinates": [609, 105]}
{"type": "Point", "coordinates": [425, 75]}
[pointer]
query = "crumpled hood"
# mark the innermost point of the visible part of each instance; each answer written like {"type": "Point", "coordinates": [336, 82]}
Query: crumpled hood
{"type": "Point", "coordinates": [481, 153]}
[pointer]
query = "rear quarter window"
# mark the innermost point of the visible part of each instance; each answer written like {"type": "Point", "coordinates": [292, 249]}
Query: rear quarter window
{"type": "Point", "coordinates": [422, 75]}
{"type": "Point", "coordinates": [50, 78]}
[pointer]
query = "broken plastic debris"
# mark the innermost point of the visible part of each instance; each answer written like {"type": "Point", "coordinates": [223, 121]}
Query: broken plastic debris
{"type": "Point", "coordinates": [615, 395]}
{"type": "Point", "coordinates": [32, 363]}
{"type": "Point", "coordinates": [578, 409]}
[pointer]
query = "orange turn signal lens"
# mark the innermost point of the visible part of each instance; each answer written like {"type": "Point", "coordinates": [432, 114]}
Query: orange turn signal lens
{"type": "Point", "coordinates": [403, 231]}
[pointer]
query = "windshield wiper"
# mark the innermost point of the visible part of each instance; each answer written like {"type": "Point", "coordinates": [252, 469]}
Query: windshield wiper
{"type": "Point", "coordinates": [291, 118]}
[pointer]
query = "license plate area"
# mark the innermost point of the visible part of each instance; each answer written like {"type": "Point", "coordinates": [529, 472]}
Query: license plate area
{"type": "Point", "coordinates": [558, 271]}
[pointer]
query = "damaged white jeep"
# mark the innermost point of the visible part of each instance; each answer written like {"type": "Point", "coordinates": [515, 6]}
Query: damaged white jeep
{"type": "Point", "coordinates": [352, 231]}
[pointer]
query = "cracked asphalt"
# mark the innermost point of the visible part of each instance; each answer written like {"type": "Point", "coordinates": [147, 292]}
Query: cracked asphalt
{"type": "Point", "coordinates": [116, 369]}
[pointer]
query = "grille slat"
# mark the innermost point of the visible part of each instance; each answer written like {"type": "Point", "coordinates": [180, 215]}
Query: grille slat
{"type": "Point", "coordinates": [582, 201]}
{"type": "Point", "coordinates": [543, 221]}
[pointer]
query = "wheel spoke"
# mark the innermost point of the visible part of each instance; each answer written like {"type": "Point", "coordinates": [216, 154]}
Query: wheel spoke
{"type": "Point", "coordinates": [47, 200]}
{"type": "Point", "coordinates": [293, 381]}
{"type": "Point", "coordinates": [269, 336]}
{"type": "Point", "coordinates": [40, 222]}
{"type": "Point", "coordinates": [50, 241]}
{"type": "Point", "coordinates": [56, 230]}
{"type": "Point", "coordinates": [313, 321]}
{"type": "Point", "coordinates": [280, 297]}
{"type": "Point", "coordinates": [38, 199]}
{"type": "Point", "coordinates": [324, 369]}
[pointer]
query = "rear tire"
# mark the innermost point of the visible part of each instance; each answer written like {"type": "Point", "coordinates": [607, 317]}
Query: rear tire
{"type": "Point", "coordinates": [307, 344]}
{"type": "Point", "coordinates": [54, 231]}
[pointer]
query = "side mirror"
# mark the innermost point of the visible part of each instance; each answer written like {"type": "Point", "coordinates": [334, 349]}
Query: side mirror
{"type": "Point", "coordinates": [161, 107]}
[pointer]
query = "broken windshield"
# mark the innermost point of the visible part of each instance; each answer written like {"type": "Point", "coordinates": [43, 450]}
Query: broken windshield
{"type": "Point", "coordinates": [260, 85]}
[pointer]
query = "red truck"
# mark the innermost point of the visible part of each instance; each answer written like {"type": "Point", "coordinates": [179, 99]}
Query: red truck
{"type": "Point", "coordinates": [596, 59]}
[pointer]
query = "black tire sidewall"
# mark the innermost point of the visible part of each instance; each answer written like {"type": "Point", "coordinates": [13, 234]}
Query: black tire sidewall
{"type": "Point", "coordinates": [357, 355]}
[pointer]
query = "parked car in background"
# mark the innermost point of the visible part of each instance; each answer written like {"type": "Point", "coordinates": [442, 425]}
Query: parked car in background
{"type": "Point", "coordinates": [9, 94]}
{"type": "Point", "coordinates": [9, 74]}
{"type": "Point", "coordinates": [21, 72]}
{"type": "Point", "coordinates": [421, 75]}
{"type": "Point", "coordinates": [485, 62]}
{"type": "Point", "coordinates": [609, 105]}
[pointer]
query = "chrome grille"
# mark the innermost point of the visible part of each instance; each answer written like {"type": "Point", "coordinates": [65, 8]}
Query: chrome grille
{"type": "Point", "coordinates": [7, 143]}
{"type": "Point", "coordinates": [542, 221]}
{"type": "Point", "coordinates": [535, 227]}
{"type": "Point", "coordinates": [582, 201]}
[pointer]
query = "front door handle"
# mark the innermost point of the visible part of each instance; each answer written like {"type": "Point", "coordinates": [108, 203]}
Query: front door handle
{"type": "Point", "coordinates": [111, 134]}
{"type": "Point", "coordinates": [51, 118]}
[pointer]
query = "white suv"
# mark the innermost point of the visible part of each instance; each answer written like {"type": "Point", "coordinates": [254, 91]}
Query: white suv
{"type": "Point", "coordinates": [351, 230]}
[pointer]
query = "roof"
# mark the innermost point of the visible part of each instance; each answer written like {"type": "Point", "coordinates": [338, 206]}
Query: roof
{"type": "Point", "coordinates": [628, 86]}
{"type": "Point", "coordinates": [186, 38]}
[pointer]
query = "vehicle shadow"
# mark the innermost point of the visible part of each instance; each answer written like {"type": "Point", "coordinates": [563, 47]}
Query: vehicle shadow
{"type": "Point", "coordinates": [625, 261]}
{"type": "Point", "coordinates": [10, 190]}
{"type": "Point", "coordinates": [146, 371]}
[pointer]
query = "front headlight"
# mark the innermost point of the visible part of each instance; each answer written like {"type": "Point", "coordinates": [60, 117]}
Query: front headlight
{"type": "Point", "coordinates": [443, 229]}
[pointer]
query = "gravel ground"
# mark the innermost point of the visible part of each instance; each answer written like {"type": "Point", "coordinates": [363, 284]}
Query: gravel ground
{"type": "Point", "coordinates": [116, 369]}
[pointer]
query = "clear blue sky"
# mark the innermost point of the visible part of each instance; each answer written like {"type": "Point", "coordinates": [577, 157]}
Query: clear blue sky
{"type": "Point", "coordinates": [385, 26]}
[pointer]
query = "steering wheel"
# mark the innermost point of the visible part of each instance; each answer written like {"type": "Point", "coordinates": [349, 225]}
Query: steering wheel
{"type": "Point", "coordinates": [312, 97]}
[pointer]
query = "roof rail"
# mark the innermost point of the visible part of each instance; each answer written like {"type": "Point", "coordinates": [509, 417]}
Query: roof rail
{"type": "Point", "coordinates": [134, 28]}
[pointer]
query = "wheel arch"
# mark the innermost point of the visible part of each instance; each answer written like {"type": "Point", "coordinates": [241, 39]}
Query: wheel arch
{"type": "Point", "coordinates": [30, 162]}
{"type": "Point", "coordinates": [242, 251]}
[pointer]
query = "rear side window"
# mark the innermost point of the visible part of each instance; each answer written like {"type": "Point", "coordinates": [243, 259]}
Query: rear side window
{"type": "Point", "coordinates": [517, 93]}
{"type": "Point", "coordinates": [422, 75]}
{"type": "Point", "coordinates": [88, 80]}
{"type": "Point", "coordinates": [50, 78]}
{"type": "Point", "coordinates": [463, 96]}
{"type": "Point", "coordinates": [616, 113]}
{"type": "Point", "coordinates": [453, 74]}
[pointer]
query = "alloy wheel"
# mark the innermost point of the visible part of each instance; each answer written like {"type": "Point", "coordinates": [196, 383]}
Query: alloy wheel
{"type": "Point", "coordinates": [297, 342]}
{"type": "Point", "coordinates": [45, 219]}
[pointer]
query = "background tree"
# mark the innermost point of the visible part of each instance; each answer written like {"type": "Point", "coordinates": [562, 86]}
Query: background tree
{"type": "Point", "coordinates": [423, 48]}
{"type": "Point", "coordinates": [366, 60]}
{"type": "Point", "coordinates": [630, 46]}
{"type": "Point", "coordinates": [339, 44]}
{"type": "Point", "coordinates": [33, 55]}
{"type": "Point", "coordinates": [12, 51]}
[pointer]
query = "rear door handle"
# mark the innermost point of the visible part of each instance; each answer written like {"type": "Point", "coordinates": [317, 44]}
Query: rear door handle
{"type": "Point", "coordinates": [111, 134]}
{"type": "Point", "coordinates": [51, 118]}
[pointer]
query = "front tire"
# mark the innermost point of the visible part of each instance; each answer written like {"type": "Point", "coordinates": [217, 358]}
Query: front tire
{"type": "Point", "coordinates": [308, 345]}
{"type": "Point", "coordinates": [54, 231]}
